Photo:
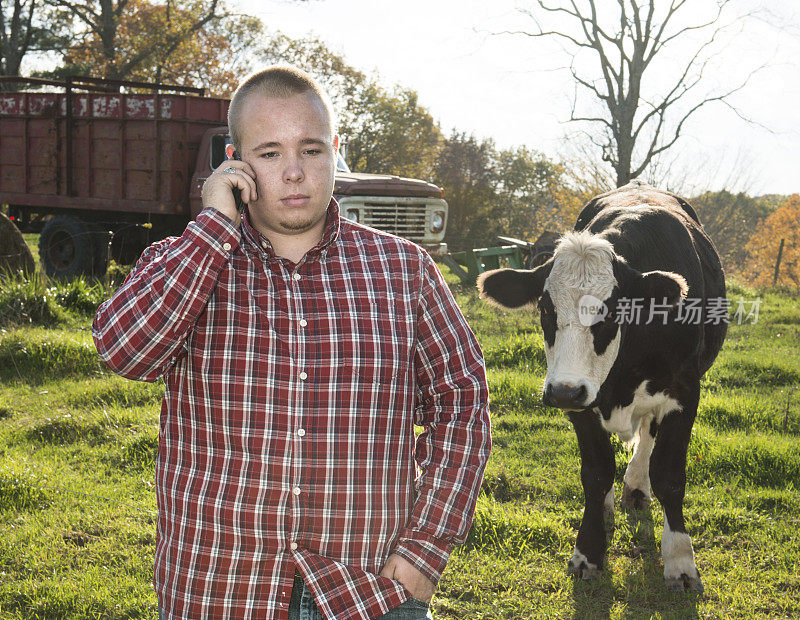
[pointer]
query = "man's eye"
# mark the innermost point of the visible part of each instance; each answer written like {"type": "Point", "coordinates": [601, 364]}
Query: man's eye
{"type": "Point", "coordinates": [313, 151]}
{"type": "Point", "coordinates": [269, 154]}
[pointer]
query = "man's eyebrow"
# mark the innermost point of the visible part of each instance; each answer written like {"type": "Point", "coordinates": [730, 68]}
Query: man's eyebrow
{"type": "Point", "coordinates": [304, 141]}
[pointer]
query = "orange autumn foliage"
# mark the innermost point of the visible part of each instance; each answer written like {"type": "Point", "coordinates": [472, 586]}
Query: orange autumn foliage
{"type": "Point", "coordinates": [157, 42]}
{"type": "Point", "coordinates": [783, 223]}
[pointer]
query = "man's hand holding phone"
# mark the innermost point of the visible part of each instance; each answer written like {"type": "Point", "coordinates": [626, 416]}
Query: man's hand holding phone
{"type": "Point", "coordinates": [230, 176]}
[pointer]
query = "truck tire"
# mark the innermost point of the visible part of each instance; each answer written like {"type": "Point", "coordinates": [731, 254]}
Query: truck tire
{"type": "Point", "coordinates": [69, 247]}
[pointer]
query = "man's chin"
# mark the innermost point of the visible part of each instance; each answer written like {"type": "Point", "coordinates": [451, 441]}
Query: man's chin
{"type": "Point", "coordinates": [297, 226]}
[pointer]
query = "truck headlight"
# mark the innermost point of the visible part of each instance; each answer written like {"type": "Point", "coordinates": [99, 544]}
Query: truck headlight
{"type": "Point", "coordinates": [352, 214]}
{"type": "Point", "coordinates": [437, 221]}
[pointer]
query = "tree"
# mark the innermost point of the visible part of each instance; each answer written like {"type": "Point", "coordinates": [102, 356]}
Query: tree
{"type": "Point", "coordinates": [150, 46]}
{"type": "Point", "coordinates": [26, 26]}
{"type": "Point", "coordinates": [625, 40]}
{"type": "Point", "coordinates": [465, 168]}
{"type": "Point", "coordinates": [730, 219]}
{"type": "Point", "coordinates": [118, 42]}
{"type": "Point", "coordinates": [784, 223]}
{"type": "Point", "coordinates": [389, 132]}
{"type": "Point", "coordinates": [528, 193]}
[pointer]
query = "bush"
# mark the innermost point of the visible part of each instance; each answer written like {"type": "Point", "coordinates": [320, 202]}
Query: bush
{"type": "Point", "coordinates": [29, 302]}
{"type": "Point", "coordinates": [37, 301]}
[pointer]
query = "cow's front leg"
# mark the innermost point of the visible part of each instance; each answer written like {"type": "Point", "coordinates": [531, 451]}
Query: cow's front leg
{"type": "Point", "coordinates": [636, 490]}
{"type": "Point", "coordinates": [597, 477]}
{"type": "Point", "coordinates": [668, 480]}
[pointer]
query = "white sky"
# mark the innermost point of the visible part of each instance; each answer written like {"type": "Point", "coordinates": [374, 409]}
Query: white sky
{"type": "Point", "coordinates": [509, 88]}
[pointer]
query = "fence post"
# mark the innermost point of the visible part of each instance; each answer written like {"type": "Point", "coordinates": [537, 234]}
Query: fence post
{"type": "Point", "coordinates": [778, 263]}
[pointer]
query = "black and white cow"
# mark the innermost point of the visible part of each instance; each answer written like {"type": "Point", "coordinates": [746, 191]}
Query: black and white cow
{"type": "Point", "coordinates": [616, 372]}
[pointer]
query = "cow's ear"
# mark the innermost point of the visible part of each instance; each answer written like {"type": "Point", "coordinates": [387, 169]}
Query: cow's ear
{"type": "Point", "coordinates": [514, 288]}
{"type": "Point", "coordinates": [657, 285]}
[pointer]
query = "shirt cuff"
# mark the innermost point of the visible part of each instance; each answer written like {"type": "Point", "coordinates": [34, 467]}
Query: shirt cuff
{"type": "Point", "coordinates": [428, 554]}
{"type": "Point", "coordinates": [211, 227]}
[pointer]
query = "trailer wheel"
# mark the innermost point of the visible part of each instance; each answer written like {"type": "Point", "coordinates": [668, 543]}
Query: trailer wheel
{"type": "Point", "coordinates": [69, 247]}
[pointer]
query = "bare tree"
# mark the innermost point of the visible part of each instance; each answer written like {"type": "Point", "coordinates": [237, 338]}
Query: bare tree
{"type": "Point", "coordinates": [636, 128]}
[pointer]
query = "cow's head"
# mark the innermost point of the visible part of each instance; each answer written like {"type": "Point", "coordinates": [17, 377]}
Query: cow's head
{"type": "Point", "coordinates": [578, 292]}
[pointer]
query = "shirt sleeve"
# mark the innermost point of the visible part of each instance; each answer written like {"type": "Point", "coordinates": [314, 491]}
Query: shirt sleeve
{"type": "Point", "coordinates": [453, 408]}
{"type": "Point", "coordinates": [139, 332]}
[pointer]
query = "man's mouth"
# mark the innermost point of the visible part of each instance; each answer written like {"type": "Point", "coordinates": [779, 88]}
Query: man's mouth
{"type": "Point", "coordinates": [295, 200]}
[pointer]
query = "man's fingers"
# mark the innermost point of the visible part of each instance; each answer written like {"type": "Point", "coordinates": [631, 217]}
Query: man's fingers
{"type": "Point", "coordinates": [241, 179]}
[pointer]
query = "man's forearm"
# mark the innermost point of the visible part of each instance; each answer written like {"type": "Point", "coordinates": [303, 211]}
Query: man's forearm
{"type": "Point", "coordinates": [140, 330]}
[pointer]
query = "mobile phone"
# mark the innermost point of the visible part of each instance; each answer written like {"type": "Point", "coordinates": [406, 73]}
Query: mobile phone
{"type": "Point", "coordinates": [237, 193]}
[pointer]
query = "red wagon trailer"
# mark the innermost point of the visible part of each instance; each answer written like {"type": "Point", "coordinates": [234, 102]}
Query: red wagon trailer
{"type": "Point", "coordinates": [94, 156]}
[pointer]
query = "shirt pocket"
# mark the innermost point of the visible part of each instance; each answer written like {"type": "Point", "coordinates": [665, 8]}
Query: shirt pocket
{"type": "Point", "coordinates": [367, 338]}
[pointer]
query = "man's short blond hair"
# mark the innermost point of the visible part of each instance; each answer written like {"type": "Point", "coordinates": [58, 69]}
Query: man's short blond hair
{"type": "Point", "coordinates": [279, 81]}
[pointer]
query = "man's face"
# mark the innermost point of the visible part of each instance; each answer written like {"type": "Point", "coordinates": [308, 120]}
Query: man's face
{"type": "Point", "coordinates": [288, 143]}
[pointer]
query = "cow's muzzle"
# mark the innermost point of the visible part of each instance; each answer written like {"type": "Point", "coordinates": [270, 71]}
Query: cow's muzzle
{"type": "Point", "coordinates": [565, 396]}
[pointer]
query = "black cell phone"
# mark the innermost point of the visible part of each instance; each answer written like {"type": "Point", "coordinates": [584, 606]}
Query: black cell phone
{"type": "Point", "coordinates": [237, 193]}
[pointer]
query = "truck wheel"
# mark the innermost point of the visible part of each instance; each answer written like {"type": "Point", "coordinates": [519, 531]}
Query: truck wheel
{"type": "Point", "coordinates": [69, 247]}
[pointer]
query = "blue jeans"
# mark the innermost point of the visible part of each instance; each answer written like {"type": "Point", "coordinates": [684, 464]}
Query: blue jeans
{"type": "Point", "coordinates": [303, 607]}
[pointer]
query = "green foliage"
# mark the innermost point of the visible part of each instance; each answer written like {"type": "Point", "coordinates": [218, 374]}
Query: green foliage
{"type": "Point", "coordinates": [37, 300]}
{"type": "Point", "coordinates": [139, 454]}
{"type": "Point", "coordinates": [524, 350]}
{"type": "Point", "coordinates": [762, 461]}
{"type": "Point", "coordinates": [116, 391]}
{"type": "Point", "coordinates": [512, 533]}
{"type": "Point", "coordinates": [19, 492]}
{"type": "Point", "coordinates": [730, 219]}
{"type": "Point", "coordinates": [80, 296]}
{"type": "Point", "coordinates": [35, 356]}
{"type": "Point", "coordinates": [29, 301]}
{"type": "Point", "coordinates": [741, 373]}
{"type": "Point", "coordinates": [66, 430]}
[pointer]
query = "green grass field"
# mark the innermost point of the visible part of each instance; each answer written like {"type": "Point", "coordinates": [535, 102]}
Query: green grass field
{"type": "Point", "coordinates": [77, 504]}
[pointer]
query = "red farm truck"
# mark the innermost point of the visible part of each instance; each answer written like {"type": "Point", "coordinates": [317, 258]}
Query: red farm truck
{"type": "Point", "coordinates": [102, 168]}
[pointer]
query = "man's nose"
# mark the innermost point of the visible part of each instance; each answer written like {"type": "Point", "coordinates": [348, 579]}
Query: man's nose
{"type": "Point", "coordinates": [293, 172]}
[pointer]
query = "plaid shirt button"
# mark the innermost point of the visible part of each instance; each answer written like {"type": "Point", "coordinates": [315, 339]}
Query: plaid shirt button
{"type": "Point", "coordinates": [303, 376]}
{"type": "Point", "coordinates": [301, 432]}
{"type": "Point", "coordinates": [226, 246]}
{"type": "Point", "coordinates": [293, 546]}
{"type": "Point", "coordinates": [303, 322]}
{"type": "Point", "coordinates": [296, 490]}
{"type": "Point", "coordinates": [296, 276]}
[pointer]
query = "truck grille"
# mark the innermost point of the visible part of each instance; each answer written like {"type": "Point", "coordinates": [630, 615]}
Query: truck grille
{"type": "Point", "coordinates": [405, 220]}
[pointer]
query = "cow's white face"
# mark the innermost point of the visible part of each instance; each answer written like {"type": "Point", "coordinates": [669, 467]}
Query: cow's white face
{"type": "Point", "coordinates": [581, 338]}
{"type": "Point", "coordinates": [577, 291]}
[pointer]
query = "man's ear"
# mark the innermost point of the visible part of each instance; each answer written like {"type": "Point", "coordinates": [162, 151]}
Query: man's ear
{"type": "Point", "coordinates": [514, 288]}
{"type": "Point", "coordinates": [658, 285]}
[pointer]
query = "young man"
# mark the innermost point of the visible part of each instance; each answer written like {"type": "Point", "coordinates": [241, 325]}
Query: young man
{"type": "Point", "coordinates": [299, 350]}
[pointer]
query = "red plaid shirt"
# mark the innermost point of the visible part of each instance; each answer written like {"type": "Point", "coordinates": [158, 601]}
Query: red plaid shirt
{"type": "Point", "coordinates": [287, 427]}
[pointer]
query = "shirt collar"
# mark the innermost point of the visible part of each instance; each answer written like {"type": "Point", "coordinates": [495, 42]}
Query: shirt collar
{"type": "Point", "coordinates": [261, 244]}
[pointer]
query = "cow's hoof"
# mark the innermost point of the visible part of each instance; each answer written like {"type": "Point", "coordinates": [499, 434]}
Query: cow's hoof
{"type": "Point", "coordinates": [684, 582]}
{"type": "Point", "coordinates": [583, 571]}
{"type": "Point", "coordinates": [634, 499]}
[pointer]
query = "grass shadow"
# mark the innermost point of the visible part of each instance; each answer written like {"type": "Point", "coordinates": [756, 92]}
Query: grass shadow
{"type": "Point", "coordinates": [645, 589]}
{"type": "Point", "coordinates": [593, 599]}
